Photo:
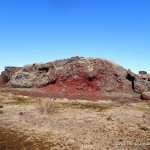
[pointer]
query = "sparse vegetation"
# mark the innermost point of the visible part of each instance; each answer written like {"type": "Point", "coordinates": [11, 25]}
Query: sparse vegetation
{"type": "Point", "coordinates": [81, 105]}
{"type": "Point", "coordinates": [122, 103]}
{"type": "Point", "coordinates": [21, 100]}
{"type": "Point", "coordinates": [77, 125]}
{"type": "Point", "coordinates": [47, 106]}
{"type": "Point", "coordinates": [1, 99]}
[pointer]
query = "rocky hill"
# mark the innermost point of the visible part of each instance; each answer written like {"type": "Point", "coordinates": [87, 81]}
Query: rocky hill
{"type": "Point", "coordinates": [81, 77]}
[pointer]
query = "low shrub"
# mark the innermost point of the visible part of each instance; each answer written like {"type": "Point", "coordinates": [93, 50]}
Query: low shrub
{"type": "Point", "coordinates": [47, 106]}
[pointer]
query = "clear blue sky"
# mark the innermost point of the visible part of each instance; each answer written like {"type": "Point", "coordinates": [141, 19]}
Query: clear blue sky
{"type": "Point", "coordinates": [45, 30]}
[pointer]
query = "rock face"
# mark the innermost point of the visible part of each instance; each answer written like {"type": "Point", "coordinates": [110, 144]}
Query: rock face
{"type": "Point", "coordinates": [80, 76]}
{"type": "Point", "coordinates": [88, 77]}
{"type": "Point", "coordinates": [7, 74]}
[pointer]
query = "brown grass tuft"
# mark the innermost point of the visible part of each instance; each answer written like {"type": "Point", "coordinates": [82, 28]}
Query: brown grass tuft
{"type": "Point", "coordinates": [47, 106]}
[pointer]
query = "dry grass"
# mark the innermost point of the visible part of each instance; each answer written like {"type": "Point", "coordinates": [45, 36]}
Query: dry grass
{"type": "Point", "coordinates": [1, 99]}
{"type": "Point", "coordinates": [47, 106]}
{"type": "Point", "coordinates": [80, 105]}
{"type": "Point", "coordinates": [122, 103]}
{"type": "Point", "coordinates": [76, 125]}
{"type": "Point", "coordinates": [19, 100]}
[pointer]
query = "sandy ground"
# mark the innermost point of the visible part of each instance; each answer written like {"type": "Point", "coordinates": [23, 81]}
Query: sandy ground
{"type": "Point", "coordinates": [41, 124]}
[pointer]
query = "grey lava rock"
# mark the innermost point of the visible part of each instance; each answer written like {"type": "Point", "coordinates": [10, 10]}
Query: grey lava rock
{"type": "Point", "coordinates": [142, 72]}
{"type": "Point", "coordinates": [7, 74]}
{"type": "Point", "coordinates": [146, 95]}
{"type": "Point", "coordinates": [140, 83]}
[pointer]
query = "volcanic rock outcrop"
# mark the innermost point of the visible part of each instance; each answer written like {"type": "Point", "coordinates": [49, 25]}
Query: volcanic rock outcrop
{"type": "Point", "coordinates": [7, 74]}
{"type": "Point", "coordinates": [88, 77]}
{"type": "Point", "coordinates": [81, 77]}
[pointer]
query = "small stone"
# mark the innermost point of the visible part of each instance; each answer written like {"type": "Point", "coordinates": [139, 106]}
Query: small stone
{"type": "Point", "coordinates": [144, 128]}
{"type": "Point", "coordinates": [109, 119]}
{"type": "Point", "coordinates": [1, 106]}
{"type": "Point", "coordinates": [146, 95]}
{"type": "Point", "coordinates": [21, 113]}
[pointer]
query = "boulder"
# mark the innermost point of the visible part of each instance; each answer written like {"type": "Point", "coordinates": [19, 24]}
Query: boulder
{"type": "Point", "coordinates": [140, 83]}
{"type": "Point", "coordinates": [144, 76]}
{"type": "Point", "coordinates": [146, 95]}
{"type": "Point", "coordinates": [7, 74]}
{"type": "Point", "coordinates": [142, 72]}
{"type": "Point", "coordinates": [10, 71]}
